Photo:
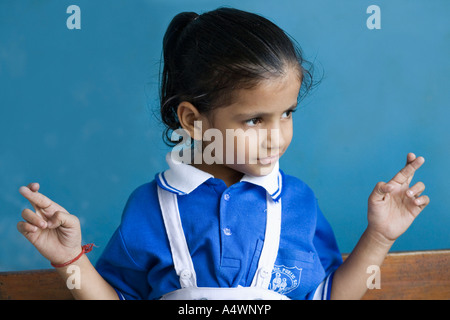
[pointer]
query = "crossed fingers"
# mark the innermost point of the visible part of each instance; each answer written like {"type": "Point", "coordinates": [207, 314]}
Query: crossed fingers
{"type": "Point", "coordinates": [38, 200]}
{"type": "Point", "coordinates": [407, 173]}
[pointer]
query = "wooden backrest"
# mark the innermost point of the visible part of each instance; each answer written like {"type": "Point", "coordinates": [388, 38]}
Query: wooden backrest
{"type": "Point", "coordinates": [33, 285]}
{"type": "Point", "coordinates": [415, 275]}
{"type": "Point", "coordinates": [405, 275]}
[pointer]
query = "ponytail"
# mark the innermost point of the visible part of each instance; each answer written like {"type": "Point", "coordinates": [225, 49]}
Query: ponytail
{"type": "Point", "coordinates": [174, 31]}
{"type": "Point", "coordinates": [169, 98]}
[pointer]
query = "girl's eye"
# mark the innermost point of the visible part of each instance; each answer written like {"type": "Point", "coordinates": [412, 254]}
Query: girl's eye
{"type": "Point", "coordinates": [288, 114]}
{"type": "Point", "coordinates": [253, 122]}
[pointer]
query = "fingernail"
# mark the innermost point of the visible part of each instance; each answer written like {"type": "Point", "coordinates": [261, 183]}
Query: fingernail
{"type": "Point", "coordinates": [410, 193]}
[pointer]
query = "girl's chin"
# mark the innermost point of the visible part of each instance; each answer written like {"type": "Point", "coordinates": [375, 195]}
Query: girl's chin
{"type": "Point", "coordinates": [256, 170]}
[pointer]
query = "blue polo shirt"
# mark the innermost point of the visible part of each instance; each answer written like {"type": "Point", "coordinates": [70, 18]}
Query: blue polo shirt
{"type": "Point", "coordinates": [225, 230]}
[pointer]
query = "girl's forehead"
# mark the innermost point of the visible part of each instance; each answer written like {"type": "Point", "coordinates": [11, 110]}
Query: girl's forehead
{"type": "Point", "coordinates": [269, 95]}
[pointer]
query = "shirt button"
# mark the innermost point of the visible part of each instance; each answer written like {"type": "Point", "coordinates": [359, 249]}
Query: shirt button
{"type": "Point", "coordinates": [185, 274]}
{"type": "Point", "coordinates": [264, 273]}
{"type": "Point", "coordinates": [227, 231]}
{"type": "Point", "coordinates": [226, 196]}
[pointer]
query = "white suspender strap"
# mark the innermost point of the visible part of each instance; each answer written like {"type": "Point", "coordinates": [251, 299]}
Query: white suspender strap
{"type": "Point", "coordinates": [271, 243]}
{"type": "Point", "coordinates": [180, 252]}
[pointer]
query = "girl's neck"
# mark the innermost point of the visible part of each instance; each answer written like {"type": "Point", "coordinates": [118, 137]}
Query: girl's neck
{"type": "Point", "coordinates": [227, 174]}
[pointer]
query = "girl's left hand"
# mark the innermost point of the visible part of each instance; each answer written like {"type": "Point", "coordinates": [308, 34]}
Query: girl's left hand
{"type": "Point", "coordinates": [393, 206]}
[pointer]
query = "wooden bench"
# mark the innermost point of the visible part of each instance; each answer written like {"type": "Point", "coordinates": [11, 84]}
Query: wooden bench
{"type": "Point", "coordinates": [421, 275]}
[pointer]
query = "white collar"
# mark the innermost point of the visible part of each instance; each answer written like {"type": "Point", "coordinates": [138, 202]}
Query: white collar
{"type": "Point", "coordinates": [182, 179]}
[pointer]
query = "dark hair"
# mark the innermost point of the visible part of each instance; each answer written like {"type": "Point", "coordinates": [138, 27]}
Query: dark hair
{"type": "Point", "coordinates": [206, 57]}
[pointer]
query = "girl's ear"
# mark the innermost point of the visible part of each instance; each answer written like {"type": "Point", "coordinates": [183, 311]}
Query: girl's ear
{"type": "Point", "coordinates": [189, 116]}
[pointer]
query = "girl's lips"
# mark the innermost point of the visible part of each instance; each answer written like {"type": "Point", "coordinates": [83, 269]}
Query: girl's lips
{"type": "Point", "coordinates": [269, 160]}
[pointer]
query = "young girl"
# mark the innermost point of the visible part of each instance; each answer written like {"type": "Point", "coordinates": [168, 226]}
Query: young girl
{"type": "Point", "coordinates": [215, 227]}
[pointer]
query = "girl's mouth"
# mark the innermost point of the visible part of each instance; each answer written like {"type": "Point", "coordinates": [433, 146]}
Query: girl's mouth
{"type": "Point", "coordinates": [269, 160]}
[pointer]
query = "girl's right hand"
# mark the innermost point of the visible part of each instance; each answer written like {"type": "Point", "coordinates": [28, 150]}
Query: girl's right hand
{"type": "Point", "coordinates": [54, 232]}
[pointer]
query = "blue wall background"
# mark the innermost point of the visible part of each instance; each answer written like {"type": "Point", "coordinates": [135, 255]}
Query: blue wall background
{"type": "Point", "coordinates": [77, 109]}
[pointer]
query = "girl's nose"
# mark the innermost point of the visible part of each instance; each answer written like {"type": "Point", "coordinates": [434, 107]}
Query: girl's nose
{"type": "Point", "coordinates": [274, 138]}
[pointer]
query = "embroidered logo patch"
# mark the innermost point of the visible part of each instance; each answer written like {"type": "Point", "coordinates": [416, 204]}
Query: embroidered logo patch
{"type": "Point", "coordinates": [285, 279]}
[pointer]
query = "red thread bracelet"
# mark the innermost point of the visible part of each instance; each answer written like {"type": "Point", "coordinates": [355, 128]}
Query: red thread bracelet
{"type": "Point", "coordinates": [84, 249]}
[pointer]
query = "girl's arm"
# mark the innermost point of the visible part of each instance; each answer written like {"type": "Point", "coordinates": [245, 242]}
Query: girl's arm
{"type": "Point", "coordinates": [92, 286]}
{"type": "Point", "coordinates": [56, 234]}
{"type": "Point", "coordinates": [392, 208]}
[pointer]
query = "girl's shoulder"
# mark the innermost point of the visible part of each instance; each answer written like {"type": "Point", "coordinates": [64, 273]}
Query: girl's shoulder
{"type": "Point", "coordinates": [295, 187]}
{"type": "Point", "coordinates": [142, 201]}
{"type": "Point", "coordinates": [144, 193]}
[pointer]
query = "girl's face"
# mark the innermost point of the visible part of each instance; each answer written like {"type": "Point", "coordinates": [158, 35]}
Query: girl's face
{"type": "Point", "coordinates": [259, 119]}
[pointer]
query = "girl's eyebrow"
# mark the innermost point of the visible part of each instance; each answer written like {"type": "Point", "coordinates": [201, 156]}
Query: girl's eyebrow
{"type": "Point", "coordinates": [262, 114]}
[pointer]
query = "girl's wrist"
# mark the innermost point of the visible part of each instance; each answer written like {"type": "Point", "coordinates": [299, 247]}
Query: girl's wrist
{"type": "Point", "coordinates": [378, 238]}
{"type": "Point", "coordinates": [73, 257]}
